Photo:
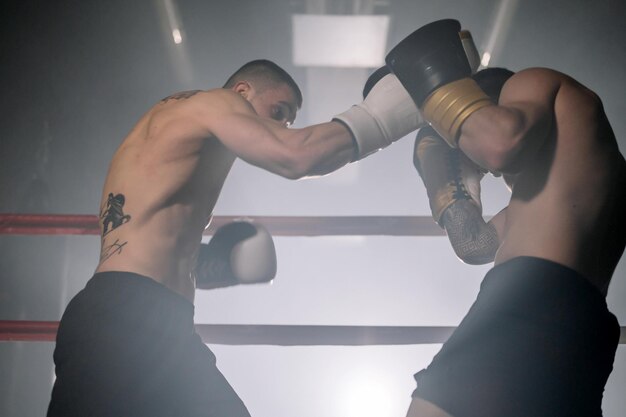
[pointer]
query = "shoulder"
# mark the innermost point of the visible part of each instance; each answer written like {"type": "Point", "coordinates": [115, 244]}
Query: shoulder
{"type": "Point", "coordinates": [533, 85]}
{"type": "Point", "coordinates": [543, 79]}
{"type": "Point", "coordinates": [536, 77]}
{"type": "Point", "coordinates": [540, 73]}
{"type": "Point", "coordinates": [205, 106]}
{"type": "Point", "coordinates": [218, 97]}
{"type": "Point", "coordinates": [546, 80]}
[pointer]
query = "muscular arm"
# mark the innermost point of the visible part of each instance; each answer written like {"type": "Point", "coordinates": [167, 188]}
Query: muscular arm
{"type": "Point", "coordinates": [474, 241]}
{"type": "Point", "coordinates": [291, 153]}
{"type": "Point", "coordinates": [501, 137]}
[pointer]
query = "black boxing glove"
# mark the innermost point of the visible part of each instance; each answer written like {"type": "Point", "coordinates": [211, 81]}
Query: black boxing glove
{"type": "Point", "coordinates": [433, 65]}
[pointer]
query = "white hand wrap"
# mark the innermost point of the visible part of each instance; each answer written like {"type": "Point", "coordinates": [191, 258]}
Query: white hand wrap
{"type": "Point", "coordinates": [387, 114]}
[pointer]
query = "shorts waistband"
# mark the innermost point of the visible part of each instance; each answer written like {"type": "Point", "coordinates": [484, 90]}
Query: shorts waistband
{"type": "Point", "coordinates": [130, 281]}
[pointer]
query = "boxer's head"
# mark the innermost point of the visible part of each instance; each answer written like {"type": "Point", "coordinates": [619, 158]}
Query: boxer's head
{"type": "Point", "coordinates": [270, 89]}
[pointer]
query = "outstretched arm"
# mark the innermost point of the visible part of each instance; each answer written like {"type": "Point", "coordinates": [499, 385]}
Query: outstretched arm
{"type": "Point", "coordinates": [291, 153]}
{"type": "Point", "coordinates": [386, 114]}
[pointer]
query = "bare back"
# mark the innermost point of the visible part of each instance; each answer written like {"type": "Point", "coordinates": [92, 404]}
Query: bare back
{"type": "Point", "coordinates": [162, 185]}
{"type": "Point", "coordinates": [568, 201]}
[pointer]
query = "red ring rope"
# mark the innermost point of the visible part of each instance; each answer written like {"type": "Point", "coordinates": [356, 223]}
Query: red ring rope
{"type": "Point", "coordinates": [279, 335]}
{"type": "Point", "coordinates": [81, 224]}
{"type": "Point", "coordinates": [265, 334]}
{"type": "Point", "coordinates": [63, 224]}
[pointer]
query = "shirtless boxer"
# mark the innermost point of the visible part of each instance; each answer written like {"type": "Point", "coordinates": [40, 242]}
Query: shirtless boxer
{"type": "Point", "coordinates": [126, 344]}
{"type": "Point", "coordinates": [539, 340]}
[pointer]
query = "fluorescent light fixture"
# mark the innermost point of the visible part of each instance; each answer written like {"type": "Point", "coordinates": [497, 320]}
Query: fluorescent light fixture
{"type": "Point", "coordinates": [485, 60]}
{"type": "Point", "coordinates": [178, 37]}
{"type": "Point", "coordinates": [349, 41]}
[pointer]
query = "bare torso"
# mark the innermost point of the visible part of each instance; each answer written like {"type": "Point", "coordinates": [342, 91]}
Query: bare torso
{"type": "Point", "coordinates": [568, 197]}
{"type": "Point", "coordinates": [567, 203]}
{"type": "Point", "coordinates": [159, 194]}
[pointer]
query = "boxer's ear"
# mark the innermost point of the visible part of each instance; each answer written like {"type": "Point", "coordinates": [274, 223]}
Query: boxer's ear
{"type": "Point", "coordinates": [243, 88]}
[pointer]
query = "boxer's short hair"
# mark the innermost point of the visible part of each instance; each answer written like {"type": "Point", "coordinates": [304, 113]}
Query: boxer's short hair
{"type": "Point", "coordinates": [267, 73]}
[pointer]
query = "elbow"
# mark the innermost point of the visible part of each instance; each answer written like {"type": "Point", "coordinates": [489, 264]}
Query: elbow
{"type": "Point", "coordinates": [503, 159]}
{"type": "Point", "coordinates": [294, 164]}
{"type": "Point", "coordinates": [292, 171]}
{"type": "Point", "coordinates": [506, 146]}
{"type": "Point", "coordinates": [293, 174]}
{"type": "Point", "coordinates": [516, 138]}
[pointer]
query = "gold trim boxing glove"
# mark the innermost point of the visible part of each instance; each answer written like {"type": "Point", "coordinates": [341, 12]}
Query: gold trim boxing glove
{"type": "Point", "coordinates": [450, 105]}
{"type": "Point", "coordinates": [447, 173]}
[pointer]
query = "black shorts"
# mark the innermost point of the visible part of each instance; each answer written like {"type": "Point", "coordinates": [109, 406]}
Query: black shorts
{"type": "Point", "coordinates": [538, 341]}
{"type": "Point", "coordinates": [127, 346]}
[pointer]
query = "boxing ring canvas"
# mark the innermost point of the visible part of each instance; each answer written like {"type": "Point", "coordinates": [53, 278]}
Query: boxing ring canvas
{"type": "Point", "coordinates": [367, 286]}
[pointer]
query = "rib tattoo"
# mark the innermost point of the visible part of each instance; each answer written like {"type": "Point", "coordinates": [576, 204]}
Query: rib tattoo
{"type": "Point", "coordinates": [110, 250]}
{"type": "Point", "coordinates": [112, 216]}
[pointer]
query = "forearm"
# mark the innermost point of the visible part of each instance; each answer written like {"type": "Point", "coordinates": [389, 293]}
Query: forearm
{"type": "Point", "coordinates": [474, 241]}
{"type": "Point", "coordinates": [331, 146]}
{"type": "Point", "coordinates": [505, 137]}
{"type": "Point", "coordinates": [501, 138]}
{"type": "Point", "coordinates": [291, 153]}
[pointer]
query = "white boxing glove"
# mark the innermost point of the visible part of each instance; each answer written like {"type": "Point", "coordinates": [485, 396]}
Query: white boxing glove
{"type": "Point", "coordinates": [240, 252]}
{"type": "Point", "coordinates": [386, 114]}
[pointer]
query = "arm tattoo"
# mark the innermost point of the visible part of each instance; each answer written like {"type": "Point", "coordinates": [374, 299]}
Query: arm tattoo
{"type": "Point", "coordinates": [473, 240]}
{"type": "Point", "coordinates": [180, 96]}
